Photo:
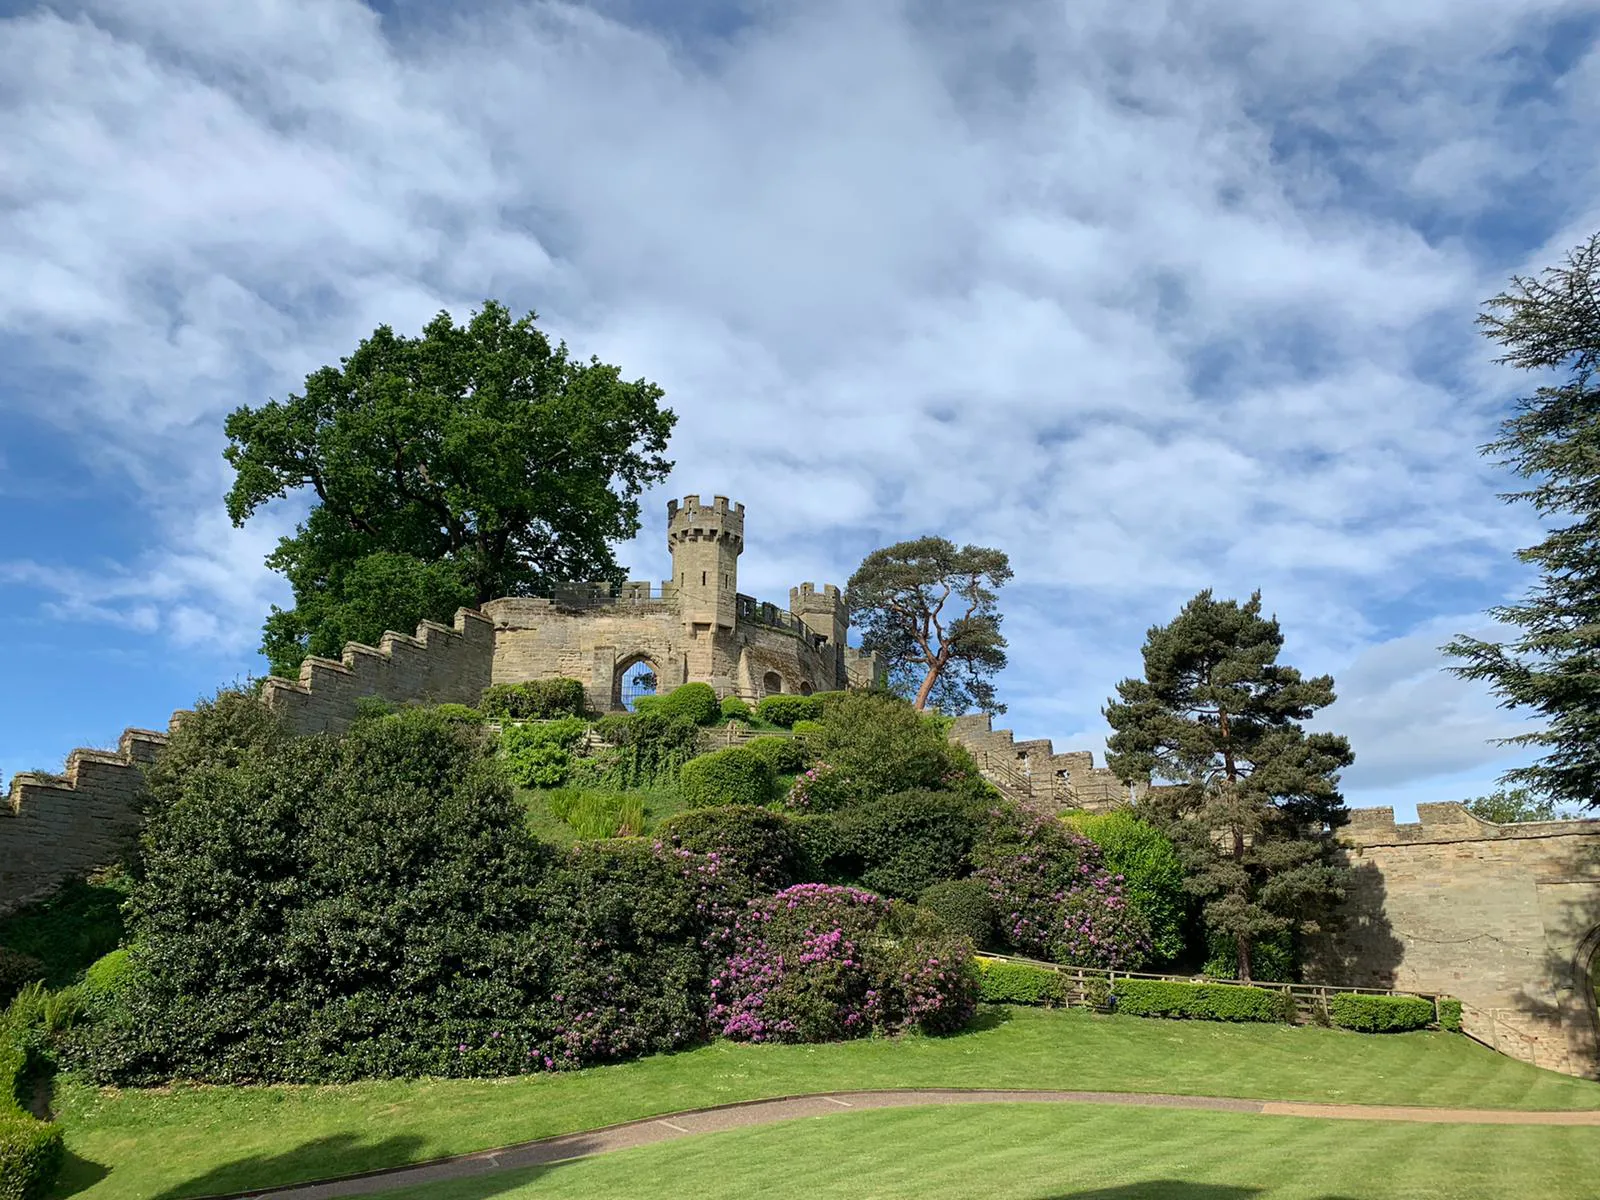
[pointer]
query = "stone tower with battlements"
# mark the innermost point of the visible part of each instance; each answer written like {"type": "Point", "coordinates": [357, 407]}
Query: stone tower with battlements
{"type": "Point", "coordinates": [705, 542]}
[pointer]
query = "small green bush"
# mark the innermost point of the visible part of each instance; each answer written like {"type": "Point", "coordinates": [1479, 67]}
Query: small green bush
{"type": "Point", "coordinates": [735, 709]}
{"type": "Point", "coordinates": [536, 700]}
{"type": "Point", "coordinates": [1202, 1001]}
{"type": "Point", "coordinates": [1450, 1015]}
{"type": "Point", "coordinates": [107, 976]}
{"type": "Point", "coordinates": [785, 755]}
{"type": "Point", "coordinates": [16, 971]}
{"type": "Point", "coordinates": [1019, 983]}
{"type": "Point", "coordinates": [910, 841]}
{"type": "Point", "coordinates": [459, 712]}
{"type": "Point", "coordinates": [803, 728]}
{"type": "Point", "coordinates": [964, 907]}
{"type": "Point", "coordinates": [757, 843]}
{"type": "Point", "coordinates": [31, 1152]}
{"type": "Point", "coordinates": [1379, 1014]}
{"type": "Point", "coordinates": [696, 701]}
{"type": "Point", "coordinates": [731, 776]}
{"type": "Point", "coordinates": [824, 848]}
{"type": "Point", "coordinates": [540, 755]}
{"type": "Point", "coordinates": [785, 709]}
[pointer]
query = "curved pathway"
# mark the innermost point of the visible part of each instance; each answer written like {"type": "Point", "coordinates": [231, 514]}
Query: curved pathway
{"type": "Point", "coordinates": [746, 1113]}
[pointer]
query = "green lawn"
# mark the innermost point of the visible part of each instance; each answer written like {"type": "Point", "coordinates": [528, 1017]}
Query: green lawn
{"type": "Point", "coordinates": [191, 1141]}
{"type": "Point", "coordinates": [1069, 1152]}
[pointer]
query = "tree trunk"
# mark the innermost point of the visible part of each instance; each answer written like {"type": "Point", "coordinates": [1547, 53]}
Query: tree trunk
{"type": "Point", "coordinates": [1243, 943]}
{"type": "Point", "coordinates": [928, 680]}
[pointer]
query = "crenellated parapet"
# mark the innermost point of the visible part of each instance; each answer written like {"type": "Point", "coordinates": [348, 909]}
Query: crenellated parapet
{"type": "Point", "coordinates": [56, 827]}
{"type": "Point", "coordinates": [1449, 821]}
{"type": "Point", "coordinates": [439, 665]}
{"type": "Point", "coordinates": [1032, 770]}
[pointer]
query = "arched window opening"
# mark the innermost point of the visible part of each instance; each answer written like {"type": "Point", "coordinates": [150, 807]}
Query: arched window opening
{"type": "Point", "coordinates": [805, 687]}
{"type": "Point", "coordinates": [772, 683]}
{"type": "Point", "coordinates": [635, 677]}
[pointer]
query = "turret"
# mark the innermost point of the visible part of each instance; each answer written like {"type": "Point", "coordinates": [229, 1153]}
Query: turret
{"type": "Point", "coordinates": [821, 610]}
{"type": "Point", "coordinates": [705, 540]}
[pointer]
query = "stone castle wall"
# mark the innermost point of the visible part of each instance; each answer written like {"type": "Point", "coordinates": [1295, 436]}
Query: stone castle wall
{"type": "Point", "coordinates": [1033, 770]}
{"type": "Point", "coordinates": [1505, 917]}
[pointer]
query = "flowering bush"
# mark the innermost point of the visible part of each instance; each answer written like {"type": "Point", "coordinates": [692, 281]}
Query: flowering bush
{"type": "Point", "coordinates": [821, 963]}
{"type": "Point", "coordinates": [819, 789]}
{"type": "Point", "coordinates": [1054, 898]}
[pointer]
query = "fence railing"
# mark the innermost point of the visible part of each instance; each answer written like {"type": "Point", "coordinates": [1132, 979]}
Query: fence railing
{"type": "Point", "coordinates": [1023, 785]}
{"type": "Point", "coordinates": [1310, 999]}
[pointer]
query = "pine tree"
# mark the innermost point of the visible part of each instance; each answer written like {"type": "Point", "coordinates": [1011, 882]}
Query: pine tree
{"type": "Point", "coordinates": [1552, 323]}
{"type": "Point", "coordinates": [1253, 797]}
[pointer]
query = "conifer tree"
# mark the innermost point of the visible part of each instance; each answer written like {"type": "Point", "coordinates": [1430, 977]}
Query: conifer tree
{"type": "Point", "coordinates": [1253, 797]}
{"type": "Point", "coordinates": [1553, 668]}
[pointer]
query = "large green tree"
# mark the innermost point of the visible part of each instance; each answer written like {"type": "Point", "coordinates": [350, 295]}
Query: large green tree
{"type": "Point", "coordinates": [1552, 323]}
{"type": "Point", "coordinates": [1251, 797]}
{"type": "Point", "coordinates": [930, 610]}
{"type": "Point", "coordinates": [472, 462]}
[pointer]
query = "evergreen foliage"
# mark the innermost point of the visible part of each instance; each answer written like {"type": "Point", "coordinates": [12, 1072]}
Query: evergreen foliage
{"type": "Point", "coordinates": [535, 700]}
{"type": "Point", "coordinates": [1152, 873]}
{"type": "Point", "coordinates": [540, 754]}
{"type": "Point", "coordinates": [469, 463]}
{"type": "Point", "coordinates": [648, 749]}
{"type": "Point", "coordinates": [964, 906]}
{"type": "Point", "coordinates": [735, 775]}
{"type": "Point", "coordinates": [1255, 795]}
{"type": "Point", "coordinates": [898, 597]}
{"type": "Point", "coordinates": [1552, 323]}
{"type": "Point", "coordinates": [1379, 1014]}
{"type": "Point", "coordinates": [1201, 1001]}
{"type": "Point", "coordinates": [785, 755]}
{"type": "Point", "coordinates": [754, 844]}
{"type": "Point", "coordinates": [907, 842]}
{"type": "Point", "coordinates": [785, 709]}
{"type": "Point", "coordinates": [735, 709]}
{"type": "Point", "coordinates": [876, 745]}
{"type": "Point", "coordinates": [1510, 806]}
{"type": "Point", "coordinates": [1020, 983]}
{"type": "Point", "coordinates": [695, 701]}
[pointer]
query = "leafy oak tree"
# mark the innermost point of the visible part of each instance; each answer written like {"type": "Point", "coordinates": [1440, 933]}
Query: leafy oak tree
{"type": "Point", "coordinates": [929, 609]}
{"type": "Point", "coordinates": [472, 462]}
{"type": "Point", "coordinates": [1252, 796]}
{"type": "Point", "coordinates": [1552, 323]}
{"type": "Point", "coordinates": [1512, 806]}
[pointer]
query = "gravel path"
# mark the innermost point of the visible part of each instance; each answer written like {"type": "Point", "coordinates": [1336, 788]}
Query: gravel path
{"type": "Point", "coordinates": [765, 1112]}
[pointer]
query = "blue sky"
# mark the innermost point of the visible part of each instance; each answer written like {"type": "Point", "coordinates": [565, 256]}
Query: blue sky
{"type": "Point", "coordinates": [1154, 297]}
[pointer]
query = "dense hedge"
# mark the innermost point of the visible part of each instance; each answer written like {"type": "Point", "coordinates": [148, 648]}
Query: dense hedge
{"type": "Point", "coordinates": [1152, 874]}
{"type": "Point", "coordinates": [1019, 983]}
{"type": "Point", "coordinates": [735, 709]}
{"type": "Point", "coordinates": [31, 1151]}
{"type": "Point", "coordinates": [695, 701]}
{"type": "Point", "coordinates": [785, 710]}
{"type": "Point", "coordinates": [964, 907]}
{"type": "Point", "coordinates": [536, 700]}
{"type": "Point", "coordinates": [786, 755]}
{"type": "Point", "coordinates": [649, 748]}
{"type": "Point", "coordinates": [735, 775]}
{"type": "Point", "coordinates": [540, 754]}
{"type": "Point", "coordinates": [1201, 1001]}
{"type": "Point", "coordinates": [907, 842]}
{"type": "Point", "coordinates": [1379, 1014]}
{"type": "Point", "coordinates": [756, 844]}
{"type": "Point", "coordinates": [1450, 1016]}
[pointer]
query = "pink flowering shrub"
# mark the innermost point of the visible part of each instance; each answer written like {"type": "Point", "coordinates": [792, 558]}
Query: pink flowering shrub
{"type": "Point", "coordinates": [822, 963]}
{"type": "Point", "coordinates": [1054, 898]}
{"type": "Point", "coordinates": [820, 789]}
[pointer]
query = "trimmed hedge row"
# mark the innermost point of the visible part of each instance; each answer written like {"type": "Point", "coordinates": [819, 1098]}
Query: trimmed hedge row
{"type": "Point", "coordinates": [1019, 983]}
{"type": "Point", "coordinates": [1202, 1001]}
{"type": "Point", "coordinates": [696, 701]}
{"type": "Point", "coordinates": [536, 700]}
{"type": "Point", "coordinates": [1450, 1016]}
{"type": "Point", "coordinates": [1382, 1014]}
{"type": "Point", "coordinates": [785, 709]}
{"type": "Point", "coordinates": [31, 1151]}
{"type": "Point", "coordinates": [736, 775]}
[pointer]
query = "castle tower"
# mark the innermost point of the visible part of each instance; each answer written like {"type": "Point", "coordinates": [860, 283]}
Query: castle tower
{"type": "Point", "coordinates": [821, 610]}
{"type": "Point", "coordinates": [705, 540]}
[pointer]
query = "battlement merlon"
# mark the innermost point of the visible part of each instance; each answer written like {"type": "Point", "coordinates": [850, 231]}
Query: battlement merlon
{"type": "Point", "coordinates": [1447, 821]}
{"type": "Point", "coordinates": [720, 520]}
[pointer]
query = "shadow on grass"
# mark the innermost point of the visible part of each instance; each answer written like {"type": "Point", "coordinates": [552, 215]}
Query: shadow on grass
{"type": "Point", "coordinates": [989, 1016]}
{"type": "Point", "coordinates": [77, 1174]}
{"type": "Point", "coordinates": [347, 1155]}
{"type": "Point", "coordinates": [1169, 1189]}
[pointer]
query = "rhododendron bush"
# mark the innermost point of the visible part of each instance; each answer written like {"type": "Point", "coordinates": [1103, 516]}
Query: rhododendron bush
{"type": "Point", "coordinates": [820, 963]}
{"type": "Point", "coordinates": [1054, 898]}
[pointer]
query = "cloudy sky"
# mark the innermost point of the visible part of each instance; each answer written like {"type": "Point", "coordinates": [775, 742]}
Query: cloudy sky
{"type": "Point", "coordinates": [1155, 297]}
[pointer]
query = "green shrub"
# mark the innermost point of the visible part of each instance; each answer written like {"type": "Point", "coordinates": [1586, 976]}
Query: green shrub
{"type": "Point", "coordinates": [649, 748]}
{"type": "Point", "coordinates": [964, 907]}
{"type": "Point", "coordinates": [1151, 872]}
{"type": "Point", "coordinates": [458, 712]}
{"type": "Point", "coordinates": [910, 841]}
{"type": "Point", "coordinates": [1272, 959]}
{"type": "Point", "coordinates": [1379, 1014]}
{"type": "Point", "coordinates": [805, 728]}
{"type": "Point", "coordinates": [696, 701]}
{"type": "Point", "coordinates": [1202, 1001]}
{"type": "Point", "coordinates": [785, 709]}
{"type": "Point", "coordinates": [785, 755]}
{"type": "Point", "coordinates": [1450, 1015]}
{"type": "Point", "coordinates": [600, 814]}
{"type": "Point", "coordinates": [31, 1154]}
{"type": "Point", "coordinates": [825, 852]}
{"type": "Point", "coordinates": [17, 970]}
{"type": "Point", "coordinates": [757, 843]}
{"type": "Point", "coordinates": [1019, 983]}
{"type": "Point", "coordinates": [732, 776]}
{"type": "Point", "coordinates": [878, 745]}
{"type": "Point", "coordinates": [107, 976]}
{"type": "Point", "coordinates": [536, 700]}
{"type": "Point", "coordinates": [735, 709]}
{"type": "Point", "coordinates": [540, 754]}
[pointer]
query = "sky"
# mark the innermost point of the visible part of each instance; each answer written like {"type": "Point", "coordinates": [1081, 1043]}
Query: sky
{"type": "Point", "coordinates": [1153, 297]}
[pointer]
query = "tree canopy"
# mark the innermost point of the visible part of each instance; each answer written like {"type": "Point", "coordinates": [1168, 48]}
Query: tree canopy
{"type": "Point", "coordinates": [1552, 323]}
{"type": "Point", "coordinates": [930, 610]}
{"type": "Point", "coordinates": [1252, 794]}
{"type": "Point", "coordinates": [472, 462]}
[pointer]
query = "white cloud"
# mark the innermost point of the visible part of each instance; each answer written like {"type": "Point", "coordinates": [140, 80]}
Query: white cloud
{"type": "Point", "coordinates": [1155, 297]}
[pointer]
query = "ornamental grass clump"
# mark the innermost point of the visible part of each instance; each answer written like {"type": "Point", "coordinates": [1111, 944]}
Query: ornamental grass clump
{"type": "Point", "coordinates": [1054, 898]}
{"type": "Point", "coordinates": [822, 963]}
